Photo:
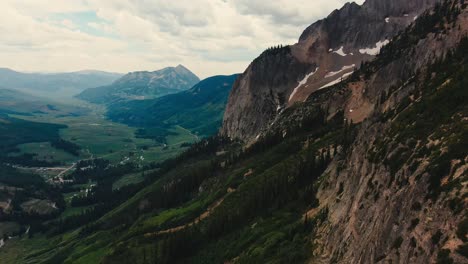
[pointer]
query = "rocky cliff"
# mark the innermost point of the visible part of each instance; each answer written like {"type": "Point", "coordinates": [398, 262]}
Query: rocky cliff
{"type": "Point", "coordinates": [328, 51]}
{"type": "Point", "coordinates": [397, 196]}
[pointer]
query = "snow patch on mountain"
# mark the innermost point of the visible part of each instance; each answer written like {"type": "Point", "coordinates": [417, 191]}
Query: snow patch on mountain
{"type": "Point", "coordinates": [336, 81]}
{"type": "Point", "coordinates": [376, 50]}
{"type": "Point", "coordinates": [344, 68]}
{"type": "Point", "coordinates": [304, 81]}
{"type": "Point", "coordinates": [340, 52]}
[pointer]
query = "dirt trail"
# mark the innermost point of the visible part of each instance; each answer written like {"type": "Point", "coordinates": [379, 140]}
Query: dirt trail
{"type": "Point", "coordinates": [197, 220]}
{"type": "Point", "coordinates": [65, 171]}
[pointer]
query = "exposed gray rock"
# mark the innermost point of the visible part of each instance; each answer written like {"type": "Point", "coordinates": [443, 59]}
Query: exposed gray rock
{"type": "Point", "coordinates": [333, 47]}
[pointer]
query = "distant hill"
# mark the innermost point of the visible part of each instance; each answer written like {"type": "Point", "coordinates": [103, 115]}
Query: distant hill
{"type": "Point", "coordinates": [199, 109]}
{"type": "Point", "coordinates": [55, 84]}
{"type": "Point", "coordinates": [8, 94]}
{"type": "Point", "coordinates": [143, 85]}
{"type": "Point", "coordinates": [18, 102]}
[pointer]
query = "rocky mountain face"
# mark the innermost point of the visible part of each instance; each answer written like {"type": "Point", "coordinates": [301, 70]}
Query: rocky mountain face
{"type": "Point", "coordinates": [328, 51]}
{"type": "Point", "coordinates": [143, 85]}
{"type": "Point", "coordinates": [397, 195]}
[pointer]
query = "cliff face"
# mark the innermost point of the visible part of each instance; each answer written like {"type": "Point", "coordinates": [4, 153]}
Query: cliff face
{"type": "Point", "coordinates": [261, 91]}
{"type": "Point", "coordinates": [328, 51]}
{"type": "Point", "coordinates": [397, 196]}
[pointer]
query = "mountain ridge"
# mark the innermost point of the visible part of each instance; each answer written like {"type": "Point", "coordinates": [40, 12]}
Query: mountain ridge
{"type": "Point", "coordinates": [50, 84]}
{"type": "Point", "coordinates": [205, 100]}
{"type": "Point", "coordinates": [143, 85]}
{"type": "Point", "coordinates": [331, 48]}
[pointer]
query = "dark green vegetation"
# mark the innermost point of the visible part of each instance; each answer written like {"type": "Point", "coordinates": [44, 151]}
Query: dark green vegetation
{"type": "Point", "coordinates": [270, 186]}
{"type": "Point", "coordinates": [14, 131]}
{"type": "Point", "coordinates": [220, 201]}
{"type": "Point", "coordinates": [11, 176]}
{"type": "Point", "coordinates": [40, 142]}
{"type": "Point", "coordinates": [199, 109]}
{"type": "Point", "coordinates": [440, 114]}
{"type": "Point", "coordinates": [67, 146]}
{"type": "Point", "coordinates": [33, 201]}
{"type": "Point", "coordinates": [138, 85]}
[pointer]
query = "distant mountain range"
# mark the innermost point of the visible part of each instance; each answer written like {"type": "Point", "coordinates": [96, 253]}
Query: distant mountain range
{"type": "Point", "coordinates": [18, 102]}
{"type": "Point", "coordinates": [199, 109]}
{"type": "Point", "coordinates": [55, 84]}
{"type": "Point", "coordinates": [8, 95]}
{"type": "Point", "coordinates": [143, 85]}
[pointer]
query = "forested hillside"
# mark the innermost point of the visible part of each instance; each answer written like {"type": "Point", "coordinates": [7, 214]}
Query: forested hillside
{"type": "Point", "coordinates": [199, 109]}
{"type": "Point", "coordinates": [371, 169]}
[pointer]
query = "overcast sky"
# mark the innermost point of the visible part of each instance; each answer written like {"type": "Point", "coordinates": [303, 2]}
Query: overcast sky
{"type": "Point", "coordinates": [208, 36]}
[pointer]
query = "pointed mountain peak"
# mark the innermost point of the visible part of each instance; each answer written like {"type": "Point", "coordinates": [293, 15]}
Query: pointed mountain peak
{"type": "Point", "coordinates": [180, 66]}
{"type": "Point", "coordinates": [181, 69]}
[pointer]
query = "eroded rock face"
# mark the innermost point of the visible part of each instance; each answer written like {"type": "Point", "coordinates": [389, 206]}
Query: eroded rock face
{"type": "Point", "coordinates": [377, 217]}
{"type": "Point", "coordinates": [378, 213]}
{"type": "Point", "coordinates": [327, 52]}
{"type": "Point", "coordinates": [261, 91]}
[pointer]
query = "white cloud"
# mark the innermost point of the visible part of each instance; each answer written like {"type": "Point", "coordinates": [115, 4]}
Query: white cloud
{"type": "Point", "coordinates": [208, 36]}
{"type": "Point", "coordinates": [69, 24]}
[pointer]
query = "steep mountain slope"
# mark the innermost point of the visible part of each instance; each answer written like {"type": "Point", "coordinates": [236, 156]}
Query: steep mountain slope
{"type": "Point", "coordinates": [199, 109]}
{"type": "Point", "coordinates": [55, 83]}
{"type": "Point", "coordinates": [398, 194]}
{"type": "Point", "coordinates": [372, 169]}
{"type": "Point", "coordinates": [143, 85]}
{"type": "Point", "coordinates": [327, 51]}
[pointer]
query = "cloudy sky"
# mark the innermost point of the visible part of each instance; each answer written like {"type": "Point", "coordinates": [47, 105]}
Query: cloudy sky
{"type": "Point", "coordinates": [207, 36]}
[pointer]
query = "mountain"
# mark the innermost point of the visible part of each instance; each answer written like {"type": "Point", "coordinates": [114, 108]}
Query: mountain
{"type": "Point", "coordinates": [18, 102]}
{"type": "Point", "coordinates": [199, 109]}
{"type": "Point", "coordinates": [371, 169]}
{"type": "Point", "coordinates": [54, 84]}
{"type": "Point", "coordinates": [143, 85]}
{"type": "Point", "coordinates": [10, 95]}
{"type": "Point", "coordinates": [327, 51]}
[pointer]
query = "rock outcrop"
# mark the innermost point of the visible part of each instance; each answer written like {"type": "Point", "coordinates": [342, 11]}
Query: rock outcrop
{"type": "Point", "coordinates": [386, 208]}
{"type": "Point", "coordinates": [327, 52]}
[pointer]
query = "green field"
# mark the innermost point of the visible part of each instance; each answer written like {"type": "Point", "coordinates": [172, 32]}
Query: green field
{"type": "Point", "coordinates": [46, 152]}
{"type": "Point", "coordinates": [70, 211]}
{"type": "Point", "coordinates": [102, 138]}
{"type": "Point", "coordinates": [129, 179]}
